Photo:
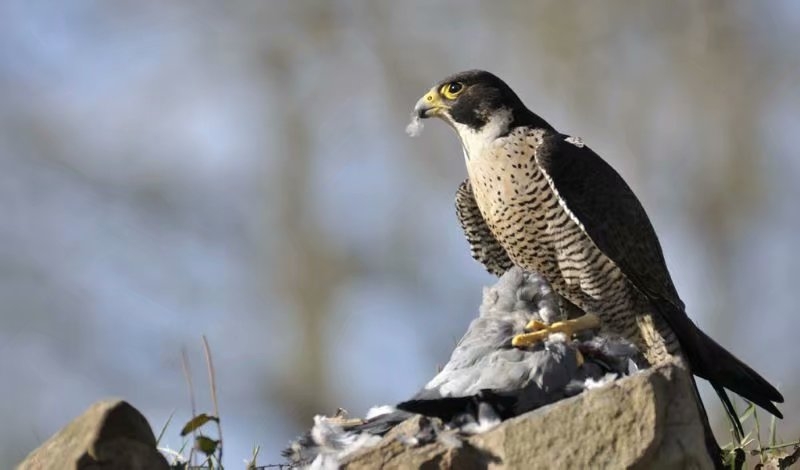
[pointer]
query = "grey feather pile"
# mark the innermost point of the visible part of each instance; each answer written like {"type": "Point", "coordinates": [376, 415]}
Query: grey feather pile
{"type": "Point", "coordinates": [486, 380]}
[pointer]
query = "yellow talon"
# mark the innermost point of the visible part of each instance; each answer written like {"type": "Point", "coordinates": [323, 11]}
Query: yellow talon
{"type": "Point", "coordinates": [579, 358]}
{"type": "Point", "coordinates": [535, 325]}
{"type": "Point", "coordinates": [528, 339]}
{"type": "Point", "coordinates": [588, 321]}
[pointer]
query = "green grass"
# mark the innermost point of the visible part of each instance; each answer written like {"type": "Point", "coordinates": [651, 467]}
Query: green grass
{"type": "Point", "coordinates": [751, 449]}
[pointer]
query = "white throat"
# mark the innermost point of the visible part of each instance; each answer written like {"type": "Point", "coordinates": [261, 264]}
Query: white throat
{"type": "Point", "coordinates": [476, 142]}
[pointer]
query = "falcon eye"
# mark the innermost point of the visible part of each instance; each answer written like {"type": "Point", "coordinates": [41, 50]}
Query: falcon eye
{"type": "Point", "coordinates": [451, 90]}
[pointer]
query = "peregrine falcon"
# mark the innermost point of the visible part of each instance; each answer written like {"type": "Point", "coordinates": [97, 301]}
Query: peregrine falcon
{"type": "Point", "coordinates": [544, 201]}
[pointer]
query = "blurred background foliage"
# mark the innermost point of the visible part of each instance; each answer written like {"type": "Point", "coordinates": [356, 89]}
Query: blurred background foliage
{"type": "Point", "coordinates": [239, 169]}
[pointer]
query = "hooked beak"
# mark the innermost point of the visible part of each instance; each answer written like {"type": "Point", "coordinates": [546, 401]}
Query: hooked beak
{"type": "Point", "coordinates": [430, 105]}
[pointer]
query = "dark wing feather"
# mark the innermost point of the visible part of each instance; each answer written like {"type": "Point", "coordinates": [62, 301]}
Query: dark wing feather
{"type": "Point", "coordinates": [616, 222]}
{"type": "Point", "coordinates": [482, 244]}
{"type": "Point", "coordinates": [610, 213]}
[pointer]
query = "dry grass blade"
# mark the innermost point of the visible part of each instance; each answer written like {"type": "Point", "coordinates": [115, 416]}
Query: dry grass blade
{"type": "Point", "coordinates": [188, 376]}
{"type": "Point", "coordinates": [758, 433]}
{"type": "Point", "coordinates": [252, 464]}
{"type": "Point", "coordinates": [164, 427]}
{"type": "Point", "coordinates": [212, 381]}
{"type": "Point", "coordinates": [773, 428]}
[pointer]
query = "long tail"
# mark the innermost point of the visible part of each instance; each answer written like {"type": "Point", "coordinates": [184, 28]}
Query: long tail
{"type": "Point", "coordinates": [714, 363]}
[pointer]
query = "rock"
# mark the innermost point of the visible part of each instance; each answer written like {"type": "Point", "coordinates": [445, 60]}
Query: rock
{"type": "Point", "coordinates": [110, 435]}
{"type": "Point", "coordinates": [649, 420]}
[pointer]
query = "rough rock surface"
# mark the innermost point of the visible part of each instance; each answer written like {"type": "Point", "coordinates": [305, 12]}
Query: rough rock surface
{"type": "Point", "coordinates": [649, 420]}
{"type": "Point", "coordinates": [110, 435]}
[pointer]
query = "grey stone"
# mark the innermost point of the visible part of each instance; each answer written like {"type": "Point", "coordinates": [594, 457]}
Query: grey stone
{"type": "Point", "coordinates": [648, 420]}
{"type": "Point", "coordinates": [109, 435]}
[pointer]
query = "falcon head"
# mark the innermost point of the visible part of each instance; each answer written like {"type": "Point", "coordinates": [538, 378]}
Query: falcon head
{"type": "Point", "coordinates": [476, 102]}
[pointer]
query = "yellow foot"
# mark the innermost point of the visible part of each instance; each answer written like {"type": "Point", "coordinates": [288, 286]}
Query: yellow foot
{"type": "Point", "coordinates": [539, 331]}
